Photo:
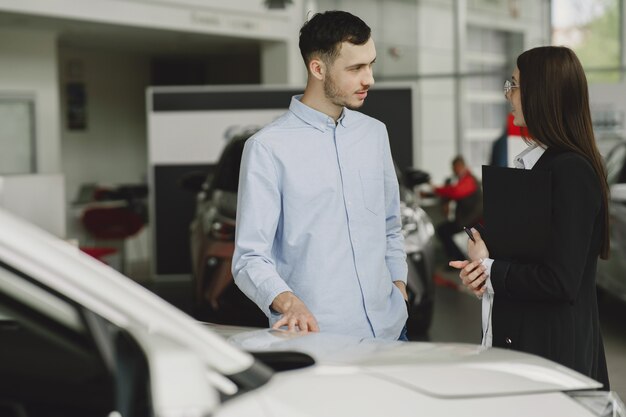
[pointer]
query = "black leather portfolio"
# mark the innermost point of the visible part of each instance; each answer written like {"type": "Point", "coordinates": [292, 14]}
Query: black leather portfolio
{"type": "Point", "coordinates": [517, 211]}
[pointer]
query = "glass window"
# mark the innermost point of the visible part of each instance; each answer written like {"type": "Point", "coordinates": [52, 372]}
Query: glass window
{"type": "Point", "coordinates": [17, 139]}
{"type": "Point", "coordinates": [489, 56]}
{"type": "Point", "coordinates": [592, 28]}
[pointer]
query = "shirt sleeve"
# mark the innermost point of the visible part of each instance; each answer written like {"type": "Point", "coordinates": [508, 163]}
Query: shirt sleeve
{"type": "Point", "coordinates": [258, 211]}
{"type": "Point", "coordinates": [576, 204]}
{"type": "Point", "coordinates": [395, 256]}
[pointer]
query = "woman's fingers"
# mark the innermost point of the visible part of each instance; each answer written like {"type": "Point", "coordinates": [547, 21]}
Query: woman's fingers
{"type": "Point", "coordinates": [476, 234]}
{"type": "Point", "coordinates": [473, 276]}
{"type": "Point", "coordinates": [458, 264]}
{"type": "Point", "coordinates": [480, 292]}
{"type": "Point", "coordinates": [478, 282]}
{"type": "Point", "coordinates": [469, 269]}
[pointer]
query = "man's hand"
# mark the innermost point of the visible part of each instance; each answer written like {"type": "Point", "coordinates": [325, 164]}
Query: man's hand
{"type": "Point", "coordinates": [294, 312]}
{"type": "Point", "coordinates": [402, 287]}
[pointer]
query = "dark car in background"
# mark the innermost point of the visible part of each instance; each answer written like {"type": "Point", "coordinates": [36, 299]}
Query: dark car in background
{"type": "Point", "coordinates": [612, 272]}
{"type": "Point", "coordinates": [212, 232]}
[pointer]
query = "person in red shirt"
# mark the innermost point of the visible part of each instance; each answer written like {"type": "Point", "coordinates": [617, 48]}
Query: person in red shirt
{"type": "Point", "coordinates": [467, 194]}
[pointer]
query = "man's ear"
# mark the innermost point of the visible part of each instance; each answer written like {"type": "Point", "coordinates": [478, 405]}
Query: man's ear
{"type": "Point", "coordinates": [317, 68]}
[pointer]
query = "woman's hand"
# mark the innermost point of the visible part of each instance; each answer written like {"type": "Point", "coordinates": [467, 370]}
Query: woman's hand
{"type": "Point", "coordinates": [472, 275]}
{"type": "Point", "coordinates": [477, 250]}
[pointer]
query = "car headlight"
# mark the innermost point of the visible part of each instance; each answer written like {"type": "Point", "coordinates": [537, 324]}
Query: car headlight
{"type": "Point", "coordinates": [600, 403]}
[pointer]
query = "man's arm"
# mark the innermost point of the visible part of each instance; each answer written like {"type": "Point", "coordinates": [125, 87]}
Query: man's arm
{"type": "Point", "coordinates": [395, 256]}
{"type": "Point", "coordinates": [258, 211]}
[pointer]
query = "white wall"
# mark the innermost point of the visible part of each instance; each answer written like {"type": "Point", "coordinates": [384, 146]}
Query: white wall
{"type": "Point", "coordinates": [28, 65]}
{"type": "Point", "coordinates": [438, 117]}
{"type": "Point", "coordinates": [113, 148]}
{"type": "Point", "coordinates": [37, 199]}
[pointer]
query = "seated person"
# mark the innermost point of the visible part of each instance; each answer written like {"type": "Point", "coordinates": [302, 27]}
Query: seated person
{"type": "Point", "coordinates": [465, 190]}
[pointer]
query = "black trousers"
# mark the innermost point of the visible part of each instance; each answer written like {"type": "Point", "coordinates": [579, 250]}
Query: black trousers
{"type": "Point", "coordinates": [445, 231]}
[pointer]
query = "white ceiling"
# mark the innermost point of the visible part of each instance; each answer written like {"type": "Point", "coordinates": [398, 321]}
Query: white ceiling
{"type": "Point", "coordinates": [80, 34]}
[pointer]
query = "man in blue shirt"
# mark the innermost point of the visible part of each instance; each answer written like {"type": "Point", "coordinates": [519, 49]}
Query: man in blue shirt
{"type": "Point", "coordinates": [318, 237]}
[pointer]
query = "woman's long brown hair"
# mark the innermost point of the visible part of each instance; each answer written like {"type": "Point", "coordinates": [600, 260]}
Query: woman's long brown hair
{"type": "Point", "coordinates": [555, 103]}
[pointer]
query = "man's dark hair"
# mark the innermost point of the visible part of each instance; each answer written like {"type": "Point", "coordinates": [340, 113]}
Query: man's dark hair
{"type": "Point", "coordinates": [324, 33]}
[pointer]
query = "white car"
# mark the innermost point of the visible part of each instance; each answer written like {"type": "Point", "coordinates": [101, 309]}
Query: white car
{"type": "Point", "coordinates": [79, 339]}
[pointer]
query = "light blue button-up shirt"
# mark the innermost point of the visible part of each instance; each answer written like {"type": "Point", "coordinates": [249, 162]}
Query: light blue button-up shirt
{"type": "Point", "coordinates": [318, 214]}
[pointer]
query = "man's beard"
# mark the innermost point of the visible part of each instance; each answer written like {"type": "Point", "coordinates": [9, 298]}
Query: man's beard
{"type": "Point", "coordinates": [332, 93]}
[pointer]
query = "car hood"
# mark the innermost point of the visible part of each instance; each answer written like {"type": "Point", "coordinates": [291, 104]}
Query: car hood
{"type": "Point", "coordinates": [434, 369]}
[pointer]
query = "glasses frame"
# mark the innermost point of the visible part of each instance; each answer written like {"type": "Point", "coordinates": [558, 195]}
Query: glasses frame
{"type": "Point", "coordinates": [508, 86]}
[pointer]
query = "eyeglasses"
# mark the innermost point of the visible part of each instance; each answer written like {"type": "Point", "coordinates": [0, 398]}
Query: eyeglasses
{"type": "Point", "coordinates": [508, 86]}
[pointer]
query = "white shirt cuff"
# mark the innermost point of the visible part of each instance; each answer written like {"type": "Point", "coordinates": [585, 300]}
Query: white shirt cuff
{"type": "Point", "coordinates": [487, 262]}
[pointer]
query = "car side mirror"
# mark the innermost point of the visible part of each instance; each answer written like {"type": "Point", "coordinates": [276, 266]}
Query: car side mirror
{"type": "Point", "coordinates": [618, 193]}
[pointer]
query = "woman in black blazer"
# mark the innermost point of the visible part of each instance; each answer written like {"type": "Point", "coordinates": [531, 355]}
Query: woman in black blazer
{"type": "Point", "coordinates": [549, 308]}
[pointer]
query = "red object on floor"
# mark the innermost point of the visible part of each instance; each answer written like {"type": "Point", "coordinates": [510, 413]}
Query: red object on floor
{"type": "Point", "coordinates": [99, 253]}
{"type": "Point", "coordinates": [444, 282]}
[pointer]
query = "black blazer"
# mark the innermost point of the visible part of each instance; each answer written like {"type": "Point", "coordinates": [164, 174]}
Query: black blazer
{"type": "Point", "coordinates": [550, 308]}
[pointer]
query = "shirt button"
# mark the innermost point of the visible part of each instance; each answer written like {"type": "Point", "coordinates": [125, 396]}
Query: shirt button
{"type": "Point", "coordinates": [508, 341]}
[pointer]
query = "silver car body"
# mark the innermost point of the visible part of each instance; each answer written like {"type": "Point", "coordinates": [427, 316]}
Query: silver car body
{"type": "Point", "coordinates": [192, 369]}
{"type": "Point", "coordinates": [612, 272]}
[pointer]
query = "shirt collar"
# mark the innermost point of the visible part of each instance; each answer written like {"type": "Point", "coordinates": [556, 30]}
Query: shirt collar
{"type": "Point", "coordinates": [315, 118]}
{"type": "Point", "coordinates": [529, 156]}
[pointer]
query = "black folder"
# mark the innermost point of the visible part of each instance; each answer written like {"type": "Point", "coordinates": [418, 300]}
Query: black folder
{"type": "Point", "coordinates": [517, 206]}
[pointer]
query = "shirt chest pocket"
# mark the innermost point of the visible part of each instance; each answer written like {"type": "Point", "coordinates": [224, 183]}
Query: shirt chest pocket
{"type": "Point", "coordinates": [373, 190]}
